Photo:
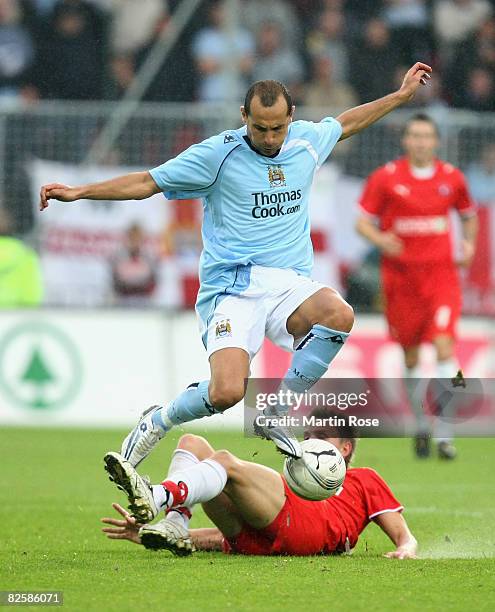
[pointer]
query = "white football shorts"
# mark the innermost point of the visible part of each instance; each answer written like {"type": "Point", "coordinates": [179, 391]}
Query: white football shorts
{"type": "Point", "coordinates": [262, 309]}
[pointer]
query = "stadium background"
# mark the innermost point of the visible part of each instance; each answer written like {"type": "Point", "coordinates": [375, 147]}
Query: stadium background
{"type": "Point", "coordinates": [76, 368]}
{"type": "Point", "coordinates": [89, 90]}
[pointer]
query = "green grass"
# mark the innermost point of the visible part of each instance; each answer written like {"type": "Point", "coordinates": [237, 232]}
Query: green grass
{"type": "Point", "coordinates": [54, 491]}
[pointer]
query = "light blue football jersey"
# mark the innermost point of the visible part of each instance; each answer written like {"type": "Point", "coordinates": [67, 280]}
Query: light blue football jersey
{"type": "Point", "coordinates": [256, 208]}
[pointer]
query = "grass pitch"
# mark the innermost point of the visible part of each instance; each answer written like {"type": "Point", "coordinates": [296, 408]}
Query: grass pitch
{"type": "Point", "coordinates": [54, 490]}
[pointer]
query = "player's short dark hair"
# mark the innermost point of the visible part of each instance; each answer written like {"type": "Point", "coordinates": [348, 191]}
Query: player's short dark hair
{"type": "Point", "coordinates": [268, 93]}
{"type": "Point", "coordinates": [421, 117]}
{"type": "Point", "coordinates": [344, 432]}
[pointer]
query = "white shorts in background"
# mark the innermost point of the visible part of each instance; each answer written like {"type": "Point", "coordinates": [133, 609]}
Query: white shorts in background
{"type": "Point", "coordinates": [262, 309]}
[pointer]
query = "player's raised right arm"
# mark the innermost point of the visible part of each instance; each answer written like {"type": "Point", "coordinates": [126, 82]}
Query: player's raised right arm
{"type": "Point", "coordinates": [133, 186]}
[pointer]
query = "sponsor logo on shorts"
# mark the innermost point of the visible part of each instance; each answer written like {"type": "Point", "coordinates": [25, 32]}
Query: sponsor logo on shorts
{"type": "Point", "coordinates": [275, 204]}
{"type": "Point", "coordinates": [223, 329]}
{"type": "Point", "coordinates": [276, 176]}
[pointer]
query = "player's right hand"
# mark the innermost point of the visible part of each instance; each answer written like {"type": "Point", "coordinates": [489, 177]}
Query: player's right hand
{"type": "Point", "coordinates": [56, 191]}
{"type": "Point", "coordinates": [390, 244]}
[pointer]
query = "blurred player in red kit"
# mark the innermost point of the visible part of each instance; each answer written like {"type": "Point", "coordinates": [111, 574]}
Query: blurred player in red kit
{"type": "Point", "coordinates": [254, 510]}
{"type": "Point", "coordinates": [405, 210]}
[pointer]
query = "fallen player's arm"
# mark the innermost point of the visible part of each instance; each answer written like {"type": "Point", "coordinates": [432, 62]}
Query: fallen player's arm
{"type": "Point", "coordinates": [122, 529]}
{"type": "Point", "coordinates": [133, 186]}
{"type": "Point", "coordinates": [395, 526]}
{"type": "Point", "coordinates": [207, 538]}
{"type": "Point", "coordinates": [356, 119]}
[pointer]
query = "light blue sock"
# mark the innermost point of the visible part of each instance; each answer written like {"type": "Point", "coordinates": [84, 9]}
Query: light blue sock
{"type": "Point", "coordinates": [191, 404]}
{"type": "Point", "coordinates": [312, 357]}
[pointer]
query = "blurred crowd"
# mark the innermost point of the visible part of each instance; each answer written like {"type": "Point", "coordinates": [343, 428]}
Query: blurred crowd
{"type": "Point", "coordinates": [333, 53]}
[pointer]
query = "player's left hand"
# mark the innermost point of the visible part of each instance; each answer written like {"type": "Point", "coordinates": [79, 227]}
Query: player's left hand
{"type": "Point", "coordinates": [466, 259]}
{"type": "Point", "coordinates": [127, 529]}
{"type": "Point", "coordinates": [418, 75]}
{"type": "Point", "coordinates": [406, 551]}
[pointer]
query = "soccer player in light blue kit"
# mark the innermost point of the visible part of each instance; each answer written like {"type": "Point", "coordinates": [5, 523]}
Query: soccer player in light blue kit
{"type": "Point", "coordinates": [257, 257]}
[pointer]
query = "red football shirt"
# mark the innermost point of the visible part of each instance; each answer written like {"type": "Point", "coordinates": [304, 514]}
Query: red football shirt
{"type": "Point", "coordinates": [364, 496]}
{"type": "Point", "coordinates": [306, 527]}
{"type": "Point", "coordinates": [417, 209]}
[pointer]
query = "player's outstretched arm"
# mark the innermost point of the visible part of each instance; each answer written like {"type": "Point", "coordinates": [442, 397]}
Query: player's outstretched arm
{"type": "Point", "coordinates": [360, 117]}
{"type": "Point", "coordinates": [134, 186]}
{"type": "Point", "coordinates": [207, 538]}
{"type": "Point", "coordinates": [395, 526]}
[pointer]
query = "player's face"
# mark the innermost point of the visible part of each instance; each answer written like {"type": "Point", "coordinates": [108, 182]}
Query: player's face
{"type": "Point", "coordinates": [420, 142]}
{"type": "Point", "coordinates": [267, 125]}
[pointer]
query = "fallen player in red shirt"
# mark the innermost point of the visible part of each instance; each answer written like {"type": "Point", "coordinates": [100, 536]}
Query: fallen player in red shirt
{"type": "Point", "coordinates": [254, 511]}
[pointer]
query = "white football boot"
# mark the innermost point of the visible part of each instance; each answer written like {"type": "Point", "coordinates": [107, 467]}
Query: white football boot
{"type": "Point", "coordinates": [138, 489]}
{"type": "Point", "coordinates": [142, 439]}
{"type": "Point", "coordinates": [167, 535]}
{"type": "Point", "coordinates": [286, 443]}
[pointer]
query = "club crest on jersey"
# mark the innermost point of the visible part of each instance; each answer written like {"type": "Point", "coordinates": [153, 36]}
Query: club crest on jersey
{"type": "Point", "coordinates": [276, 176]}
{"type": "Point", "coordinates": [223, 329]}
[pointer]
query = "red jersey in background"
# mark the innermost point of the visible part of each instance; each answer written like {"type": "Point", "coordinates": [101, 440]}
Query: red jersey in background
{"type": "Point", "coordinates": [417, 209]}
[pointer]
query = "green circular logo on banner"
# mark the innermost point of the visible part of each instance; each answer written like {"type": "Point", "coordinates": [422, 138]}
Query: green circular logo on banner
{"type": "Point", "coordinates": [40, 366]}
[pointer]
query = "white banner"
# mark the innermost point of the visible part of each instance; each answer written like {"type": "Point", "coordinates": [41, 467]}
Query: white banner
{"type": "Point", "coordinates": [78, 239]}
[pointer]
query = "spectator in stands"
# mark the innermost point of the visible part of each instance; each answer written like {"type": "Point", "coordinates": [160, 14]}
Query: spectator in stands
{"type": "Point", "coordinates": [478, 93]}
{"type": "Point", "coordinates": [478, 50]}
{"type": "Point", "coordinates": [455, 20]}
{"type": "Point", "coordinates": [408, 22]}
{"type": "Point", "coordinates": [277, 60]}
{"type": "Point", "coordinates": [20, 274]}
{"type": "Point", "coordinates": [327, 38]}
{"type": "Point", "coordinates": [134, 270]}
{"type": "Point", "coordinates": [481, 176]}
{"type": "Point", "coordinates": [368, 58]}
{"type": "Point", "coordinates": [254, 14]}
{"type": "Point", "coordinates": [17, 51]}
{"type": "Point", "coordinates": [359, 12]}
{"type": "Point", "coordinates": [71, 63]}
{"type": "Point", "coordinates": [134, 24]}
{"type": "Point", "coordinates": [324, 92]}
{"type": "Point", "coordinates": [213, 50]}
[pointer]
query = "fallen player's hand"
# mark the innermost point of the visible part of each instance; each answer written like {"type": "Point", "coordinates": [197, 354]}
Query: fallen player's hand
{"type": "Point", "coordinates": [127, 529]}
{"type": "Point", "coordinates": [56, 191]}
{"type": "Point", "coordinates": [407, 551]}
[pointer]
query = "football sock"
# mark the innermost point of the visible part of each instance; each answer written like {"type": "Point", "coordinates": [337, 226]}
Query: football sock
{"type": "Point", "coordinates": [181, 460]}
{"type": "Point", "coordinates": [442, 430]}
{"type": "Point", "coordinates": [311, 359]}
{"type": "Point", "coordinates": [447, 368]}
{"type": "Point", "coordinates": [415, 391]}
{"type": "Point", "coordinates": [191, 404]}
{"type": "Point", "coordinates": [195, 485]}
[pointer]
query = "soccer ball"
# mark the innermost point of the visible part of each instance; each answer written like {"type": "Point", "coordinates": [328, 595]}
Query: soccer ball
{"type": "Point", "coordinates": [319, 473]}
